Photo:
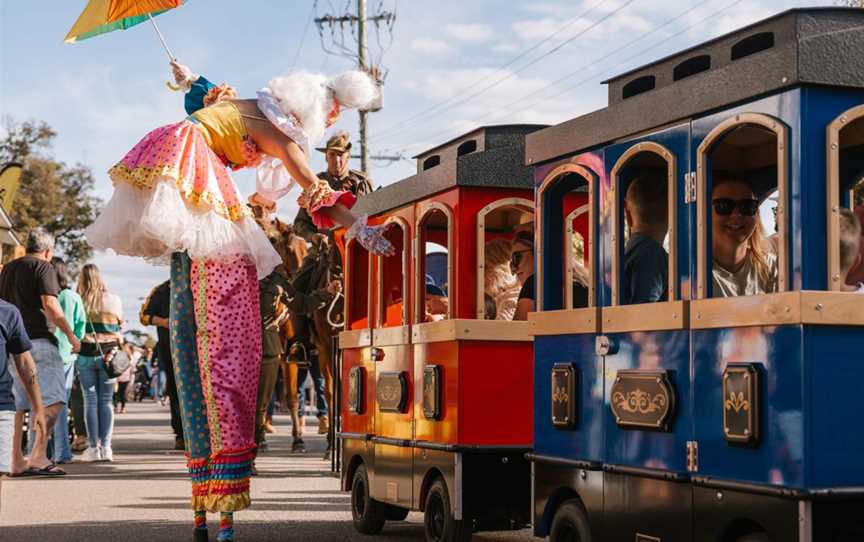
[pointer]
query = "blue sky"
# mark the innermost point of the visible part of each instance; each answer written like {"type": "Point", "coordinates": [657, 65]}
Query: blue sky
{"type": "Point", "coordinates": [103, 94]}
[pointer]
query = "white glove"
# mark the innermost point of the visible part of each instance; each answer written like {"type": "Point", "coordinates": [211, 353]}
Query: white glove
{"type": "Point", "coordinates": [183, 76]}
{"type": "Point", "coordinates": [371, 237]}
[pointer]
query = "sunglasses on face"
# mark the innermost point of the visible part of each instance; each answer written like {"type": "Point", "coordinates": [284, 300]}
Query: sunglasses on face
{"type": "Point", "coordinates": [516, 257]}
{"type": "Point", "coordinates": [725, 206]}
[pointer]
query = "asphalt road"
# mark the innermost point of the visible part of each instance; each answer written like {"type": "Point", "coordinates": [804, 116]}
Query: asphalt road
{"type": "Point", "coordinates": [144, 495]}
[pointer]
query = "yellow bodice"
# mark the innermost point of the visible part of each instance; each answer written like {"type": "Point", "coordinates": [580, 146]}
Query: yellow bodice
{"type": "Point", "coordinates": [225, 132]}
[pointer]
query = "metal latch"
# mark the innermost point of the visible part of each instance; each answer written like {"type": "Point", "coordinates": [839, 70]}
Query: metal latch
{"type": "Point", "coordinates": [377, 354]}
{"type": "Point", "coordinates": [692, 456]}
{"type": "Point", "coordinates": [690, 187]}
{"type": "Point", "coordinates": [604, 346]}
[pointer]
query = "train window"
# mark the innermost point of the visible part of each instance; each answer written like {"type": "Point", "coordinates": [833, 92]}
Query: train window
{"type": "Point", "coordinates": [393, 277]}
{"type": "Point", "coordinates": [431, 162]}
{"type": "Point", "coordinates": [357, 307]}
{"type": "Point", "coordinates": [752, 45]}
{"type": "Point", "coordinates": [497, 284]}
{"type": "Point", "coordinates": [845, 194]}
{"type": "Point", "coordinates": [643, 216]}
{"type": "Point", "coordinates": [466, 148]}
{"type": "Point", "coordinates": [638, 86]}
{"type": "Point", "coordinates": [741, 218]}
{"type": "Point", "coordinates": [434, 284]}
{"type": "Point", "coordinates": [691, 66]}
{"type": "Point", "coordinates": [565, 259]}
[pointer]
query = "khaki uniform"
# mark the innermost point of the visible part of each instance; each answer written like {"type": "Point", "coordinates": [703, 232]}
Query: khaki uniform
{"type": "Point", "coordinates": [273, 291]}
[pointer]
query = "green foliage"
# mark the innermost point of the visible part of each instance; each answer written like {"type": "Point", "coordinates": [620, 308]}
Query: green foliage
{"type": "Point", "coordinates": [52, 195]}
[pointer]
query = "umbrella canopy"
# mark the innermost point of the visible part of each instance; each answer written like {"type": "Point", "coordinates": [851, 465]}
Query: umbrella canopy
{"type": "Point", "coordinates": [101, 16]}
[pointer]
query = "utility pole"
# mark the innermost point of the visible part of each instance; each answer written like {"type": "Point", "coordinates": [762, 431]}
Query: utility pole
{"type": "Point", "coordinates": [336, 24]}
{"type": "Point", "coordinates": [362, 55]}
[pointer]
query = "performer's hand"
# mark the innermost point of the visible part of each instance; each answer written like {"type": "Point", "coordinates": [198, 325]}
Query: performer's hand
{"type": "Point", "coordinates": [268, 206]}
{"type": "Point", "coordinates": [182, 74]}
{"type": "Point", "coordinates": [334, 287]}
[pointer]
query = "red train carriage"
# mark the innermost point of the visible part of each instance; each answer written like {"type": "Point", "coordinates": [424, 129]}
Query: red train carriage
{"type": "Point", "coordinates": [436, 398]}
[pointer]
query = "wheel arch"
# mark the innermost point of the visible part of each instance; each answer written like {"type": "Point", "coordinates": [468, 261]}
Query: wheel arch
{"type": "Point", "coordinates": [558, 497]}
{"type": "Point", "coordinates": [350, 470]}
{"type": "Point", "coordinates": [428, 479]}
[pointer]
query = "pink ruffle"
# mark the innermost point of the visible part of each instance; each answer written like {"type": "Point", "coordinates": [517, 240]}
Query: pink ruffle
{"type": "Point", "coordinates": [323, 221]}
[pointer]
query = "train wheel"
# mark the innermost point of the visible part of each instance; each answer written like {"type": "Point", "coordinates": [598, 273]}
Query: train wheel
{"type": "Point", "coordinates": [438, 522]}
{"type": "Point", "coordinates": [369, 515]}
{"type": "Point", "coordinates": [395, 513]}
{"type": "Point", "coordinates": [570, 523]}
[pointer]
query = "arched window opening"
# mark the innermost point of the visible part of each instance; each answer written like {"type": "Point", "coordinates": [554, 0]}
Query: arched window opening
{"type": "Point", "coordinates": [466, 148]}
{"type": "Point", "coordinates": [745, 219]}
{"type": "Point", "coordinates": [498, 285]}
{"type": "Point", "coordinates": [846, 201]}
{"type": "Point", "coordinates": [431, 162]}
{"type": "Point", "coordinates": [643, 265]}
{"type": "Point", "coordinates": [434, 264]}
{"type": "Point", "coordinates": [638, 86]}
{"type": "Point", "coordinates": [358, 279]}
{"type": "Point", "coordinates": [691, 66]}
{"type": "Point", "coordinates": [752, 45]}
{"type": "Point", "coordinates": [393, 284]}
{"type": "Point", "coordinates": [566, 261]}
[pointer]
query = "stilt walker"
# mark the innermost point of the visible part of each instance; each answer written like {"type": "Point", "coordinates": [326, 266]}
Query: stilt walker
{"type": "Point", "coordinates": [174, 198]}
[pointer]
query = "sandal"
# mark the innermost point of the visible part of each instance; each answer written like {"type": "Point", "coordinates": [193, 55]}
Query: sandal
{"type": "Point", "coordinates": [51, 469]}
{"type": "Point", "coordinates": [23, 473]}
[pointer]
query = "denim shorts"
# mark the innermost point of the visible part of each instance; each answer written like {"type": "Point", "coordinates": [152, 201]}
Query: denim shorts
{"type": "Point", "coordinates": [49, 371]}
{"type": "Point", "coordinates": [7, 420]}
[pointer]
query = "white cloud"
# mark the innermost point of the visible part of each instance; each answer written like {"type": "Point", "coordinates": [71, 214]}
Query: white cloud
{"type": "Point", "coordinates": [430, 46]}
{"type": "Point", "coordinates": [471, 33]}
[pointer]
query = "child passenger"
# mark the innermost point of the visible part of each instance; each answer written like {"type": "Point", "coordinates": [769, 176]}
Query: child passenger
{"type": "Point", "coordinates": [850, 248]}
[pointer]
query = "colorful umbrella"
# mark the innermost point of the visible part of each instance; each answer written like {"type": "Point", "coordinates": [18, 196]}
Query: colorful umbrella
{"type": "Point", "coordinates": [101, 16]}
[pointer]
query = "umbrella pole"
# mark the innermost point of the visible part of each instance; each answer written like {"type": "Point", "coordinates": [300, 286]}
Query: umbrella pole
{"type": "Point", "coordinates": [161, 38]}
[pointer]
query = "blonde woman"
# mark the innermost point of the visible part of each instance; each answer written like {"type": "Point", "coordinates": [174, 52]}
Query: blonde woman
{"type": "Point", "coordinates": [742, 265]}
{"type": "Point", "coordinates": [104, 317]}
{"type": "Point", "coordinates": [499, 282]}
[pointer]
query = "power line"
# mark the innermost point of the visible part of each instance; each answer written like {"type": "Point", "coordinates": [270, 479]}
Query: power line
{"type": "Point", "coordinates": [303, 39]}
{"type": "Point", "coordinates": [505, 109]}
{"type": "Point", "coordinates": [433, 107]}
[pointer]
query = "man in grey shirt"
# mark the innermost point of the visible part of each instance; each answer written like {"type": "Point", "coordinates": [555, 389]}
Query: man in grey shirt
{"type": "Point", "coordinates": [646, 262]}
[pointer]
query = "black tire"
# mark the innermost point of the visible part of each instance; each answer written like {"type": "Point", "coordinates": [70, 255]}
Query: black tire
{"type": "Point", "coordinates": [396, 513]}
{"type": "Point", "coordinates": [570, 523]}
{"type": "Point", "coordinates": [438, 523]}
{"type": "Point", "coordinates": [368, 514]}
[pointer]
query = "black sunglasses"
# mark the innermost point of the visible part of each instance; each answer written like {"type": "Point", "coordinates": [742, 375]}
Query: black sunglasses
{"type": "Point", "coordinates": [516, 257]}
{"type": "Point", "coordinates": [725, 206]}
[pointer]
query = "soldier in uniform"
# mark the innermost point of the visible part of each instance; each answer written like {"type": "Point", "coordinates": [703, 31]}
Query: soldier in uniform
{"type": "Point", "coordinates": [338, 176]}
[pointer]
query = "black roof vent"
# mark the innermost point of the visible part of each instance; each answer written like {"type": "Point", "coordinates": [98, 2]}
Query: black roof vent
{"type": "Point", "coordinates": [752, 45]}
{"type": "Point", "coordinates": [431, 162]}
{"type": "Point", "coordinates": [638, 86]}
{"type": "Point", "coordinates": [691, 66]}
{"type": "Point", "coordinates": [467, 148]}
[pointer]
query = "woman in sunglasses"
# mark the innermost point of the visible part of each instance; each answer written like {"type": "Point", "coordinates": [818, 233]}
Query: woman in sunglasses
{"type": "Point", "coordinates": [522, 265]}
{"type": "Point", "coordinates": [742, 265]}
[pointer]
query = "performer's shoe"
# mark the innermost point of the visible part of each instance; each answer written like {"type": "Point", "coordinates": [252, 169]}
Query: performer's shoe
{"type": "Point", "coordinates": [323, 425]}
{"type": "Point", "coordinates": [200, 535]}
{"type": "Point", "coordinates": [179, 444]}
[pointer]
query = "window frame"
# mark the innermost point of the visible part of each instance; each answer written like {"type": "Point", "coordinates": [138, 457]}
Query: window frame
{"type": "Point", "coordinates": [424, 209]}
{"type": "Point", "coordinates": [551, 178]}
{"type": "Point", "coordinates": [781, 132]}
{"type": "Point", "coordinates": [350, 285]}
{"type": "Point", "coordinates": [833, 191]}
{"type": "Point", "coordinates": [617, 196]}
{"type": "Point", "coordinates": [380, 310]}
{"type": "Point", "coordinates": [568, 253]}
{"type": "Point", "coordinates": [480, 277]}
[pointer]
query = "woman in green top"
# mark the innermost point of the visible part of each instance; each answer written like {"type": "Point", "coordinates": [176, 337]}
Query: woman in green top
{"type": "Point", "coordinates": [73, 310]}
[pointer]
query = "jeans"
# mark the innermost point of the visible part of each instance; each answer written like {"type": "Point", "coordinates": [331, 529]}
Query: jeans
{"type": "Point", "coordinates": [317, 381]}
{"type": "Point", "coordinates": [62, 450]}
{"type": "Point", "coordinates": [98, 395]}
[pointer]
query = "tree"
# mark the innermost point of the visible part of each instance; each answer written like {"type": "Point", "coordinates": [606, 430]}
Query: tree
{"type": "Point", "coordinates": [851, 3]}
{"type": "Point", "coordinates": [52, 195]}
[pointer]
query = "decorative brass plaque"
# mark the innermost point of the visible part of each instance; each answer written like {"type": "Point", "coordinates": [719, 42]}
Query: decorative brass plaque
{"type": "Point", "coordinates": [392, 391]}
{"type": "Point", "coordinates": [643, 399]}
{"type": "Point", "coordinates": [355, 390]}
{"type": "Point", "coordinates": [563, 395]}
{"type": "Point", "coordinates": [432, 392]}
{"type": "Point", "coordinates": [741, 403]}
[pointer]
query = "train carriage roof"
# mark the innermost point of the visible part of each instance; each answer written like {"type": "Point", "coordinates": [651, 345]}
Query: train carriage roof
{"type": "Point", "coordinates": [820, 46]}
{"type": "Point", "coordinates": [489, 156]}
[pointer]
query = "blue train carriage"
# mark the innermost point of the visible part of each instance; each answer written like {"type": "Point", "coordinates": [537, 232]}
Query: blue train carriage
{"type": "Point", "coordinates": [701, 417]}
{"type": "Point", "coordinates": [437, 396]}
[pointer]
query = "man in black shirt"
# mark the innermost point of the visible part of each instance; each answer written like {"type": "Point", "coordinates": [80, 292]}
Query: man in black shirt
{"type": "Point", "coordinates": [30, 283]}
{"type": "Point", "coordinates": [646, 263]}
{"type": "Point", "coordinates": [155, 312]}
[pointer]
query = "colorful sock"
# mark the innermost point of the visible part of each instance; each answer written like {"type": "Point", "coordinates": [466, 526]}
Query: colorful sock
{"type": "Point", "coordinates": [200, 519]}
{"type": "Point", "coordinates": [226, 527]}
